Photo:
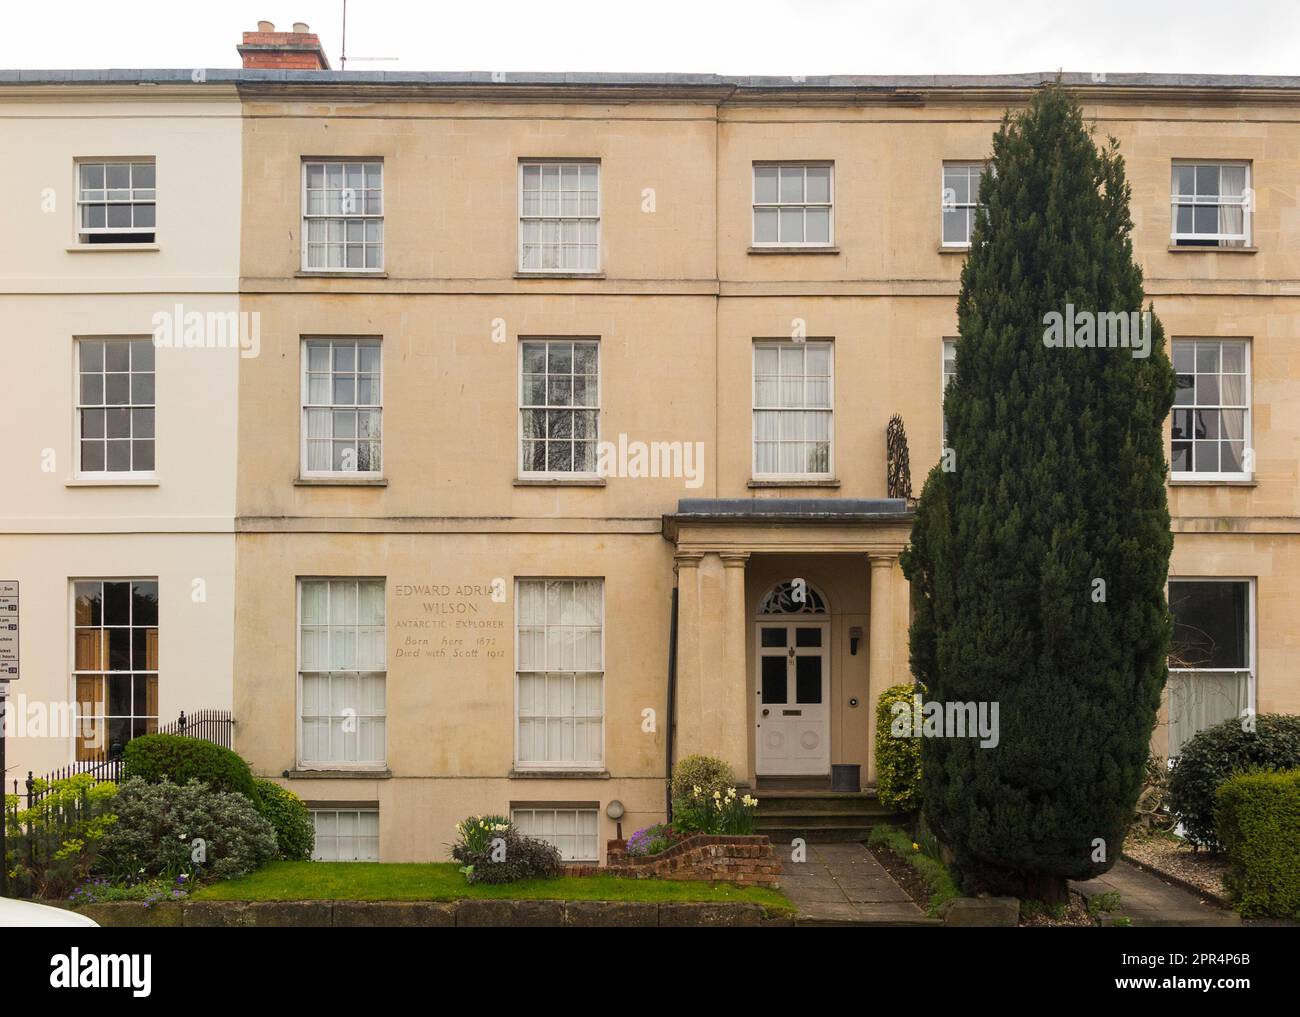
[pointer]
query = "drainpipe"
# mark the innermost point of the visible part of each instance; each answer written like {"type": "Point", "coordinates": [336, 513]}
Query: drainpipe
{"type": "Point", "coordinates": [672, 704]}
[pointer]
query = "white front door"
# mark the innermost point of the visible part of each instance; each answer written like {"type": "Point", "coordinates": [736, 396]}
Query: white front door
{"type": "Point", "coordinates": [792, 720]}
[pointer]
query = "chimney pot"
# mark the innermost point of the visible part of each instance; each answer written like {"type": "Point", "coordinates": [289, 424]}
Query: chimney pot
{"type": "Point", "coordinates": [302, 27]}
{"type": "Point", "coordinates": [266, 26]}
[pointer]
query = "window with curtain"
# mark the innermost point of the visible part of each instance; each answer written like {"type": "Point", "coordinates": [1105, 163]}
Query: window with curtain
{"type": "Point", "coordinates": [342, 414]}
{"type": "Point", "coordinates": [1211, 660]}
{"type": "Point", "coordinates": [559, 406]}
{"type": "Point", "coordinates": [116, 202]}
{"type": "Point", "coordinates": [559, 216]}
{"type": "Point", "coordinates": [345, 835]}
{"type": "Point", "coordinates": [793, 397]}
{"type": "Point", "coordinates": [115, 406]}
{"type": "Point", "coordinates": [342, 673]}
{"type": "Point", "coordinates": [1210, 428]}
{"type": "Point", "coordinates": [793, 205]}
{"type": "Point", "coordinates": [949, 373]}
{"type": "Point", "coordinates": [572, 832]}
{"type": "Point", "coordinates": [1211, 204]}
{"type": "Point", "coordinates": [560, 647]}
{"type": "Point", "coordinates": [958, 201]}
{"type": "Point", "coordinates": [115, 639]}
{"type": "Point", "coordinates": [343, 216]}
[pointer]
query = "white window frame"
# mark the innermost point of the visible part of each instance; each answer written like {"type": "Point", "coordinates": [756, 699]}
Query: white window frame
{"type": "Point", "coordinates": [1247, 446]}
{"type": "Point", "coordinates": [148, 235]}
{"type": "Point", "coordinates": [598, 218]}
{"type": "Point", "coordinates": [75, 672]}
{"type": "Point", "coordinates": [1221, 240]}
{"type": "Point", "coordinates": [106, 475]}
{"type": "Point", "coordinates": [948, 343]}
{"type": "Point", "coordinates": [357, 342]}
{"type": "Point", "coordinates": [533, 808]}
{"type": "Point", "coordinates": [972, 203]}
{"type": "Point", "coordinates": [313, 764]}
{"type": "Point", "coordinates": [589, 765]}
{"type": "Point", "coordinates": [548, 474]}
{"type": "Point", "coordinates": [1251, 651]}
{"type": "Point", "coordinates": [754, 410]}
{"type": "Point", "coordinates": [356, 810]}
{"type": "Point", "coordinates": [755, 204]}
{"type": "Point", "coordinates": [325, 217]}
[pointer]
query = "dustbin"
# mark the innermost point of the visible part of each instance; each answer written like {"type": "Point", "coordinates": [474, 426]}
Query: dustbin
{"type": "Point", "coordinates": [846, 777]}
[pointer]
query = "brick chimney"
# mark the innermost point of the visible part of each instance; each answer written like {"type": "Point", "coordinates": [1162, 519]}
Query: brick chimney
{"type": "Point", "coordinates": [299, 50]}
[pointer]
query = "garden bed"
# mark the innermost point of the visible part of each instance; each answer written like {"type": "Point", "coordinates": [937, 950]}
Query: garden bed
{"type": "Point", "coordinates": [1172, 859]}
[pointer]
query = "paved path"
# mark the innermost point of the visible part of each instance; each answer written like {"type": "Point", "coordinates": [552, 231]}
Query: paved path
{"type": "Point", "coordinates": [1148, 900]}
{"type": "Point", "coordinates": [844, 884]}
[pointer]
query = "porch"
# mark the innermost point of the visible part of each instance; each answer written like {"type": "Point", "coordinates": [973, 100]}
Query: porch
{"type": "Point", "coordinates": [792, 617]}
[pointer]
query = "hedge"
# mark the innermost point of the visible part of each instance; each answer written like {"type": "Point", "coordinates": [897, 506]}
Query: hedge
{"type": "Point", "coordinates": [898, 760]}
{"type": "Point", "coordinates": [294, 831]}
{"type": "Point", "coordinates": [1258, 822]}
{"type": "Point", "coordinates": [1212, 756]}
{"type": "Point", "coordinates": [181, 759]}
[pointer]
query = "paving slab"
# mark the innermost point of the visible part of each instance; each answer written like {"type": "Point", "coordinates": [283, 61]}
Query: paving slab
{"type": "Point", "coordinates": [843, 884]}
{"type": "Point", "coordinates": [1147, 900]}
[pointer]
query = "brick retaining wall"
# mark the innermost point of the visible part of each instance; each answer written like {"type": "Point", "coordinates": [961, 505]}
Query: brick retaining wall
{"type": "Point", "coordinates": [748, 861]}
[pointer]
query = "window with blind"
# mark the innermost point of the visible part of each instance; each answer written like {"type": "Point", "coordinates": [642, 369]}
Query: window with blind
{"type": "Point", "coordinates": [793, 409]}
{"type": "Point", "coordinates": [559, 216]}
{"type": "Point", "coordinates": [342, 673]}
{"type": "Point", "coordinates": [343, 216]}
{"type": "Point", "coordinates": [345, 835]}
{"type": "Point", "coordinates": [116, 202]}
{"type": "Point", "coordinates": [793, 205]}
{"type": "Point", "coordinates": [342, 413]}
{"type": "Point", "coordinates": [573, 832]}
{"type": "Point", "coordinates": [560, 673]}
{"type": "Point", "coordinates": [1211, 655]}
{"type": "Point", "coordinates": [115, 638]}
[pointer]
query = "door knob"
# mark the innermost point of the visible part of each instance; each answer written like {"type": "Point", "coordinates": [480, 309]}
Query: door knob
{"type": "Point", "coordinates": [766, 712]}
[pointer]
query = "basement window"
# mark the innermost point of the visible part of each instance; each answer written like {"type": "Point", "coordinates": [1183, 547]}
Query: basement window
{"type": "Point", "coordinates": [116, 202]}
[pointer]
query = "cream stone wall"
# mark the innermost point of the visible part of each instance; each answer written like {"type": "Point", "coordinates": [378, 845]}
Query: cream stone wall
{"type": "Point", "coordinates": [676, 309]}
{"type": "Point", "coordinates": [178, 526]}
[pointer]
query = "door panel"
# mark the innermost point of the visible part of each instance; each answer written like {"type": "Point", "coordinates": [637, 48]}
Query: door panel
{"type": "Point", "coordinates": [792, 729]}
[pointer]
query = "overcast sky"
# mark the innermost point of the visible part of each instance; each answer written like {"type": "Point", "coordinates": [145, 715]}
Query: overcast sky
{"type": "Point", "coordinates": [719, 36]}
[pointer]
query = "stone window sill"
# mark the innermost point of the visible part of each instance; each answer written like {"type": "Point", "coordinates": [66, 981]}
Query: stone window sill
{"type": "Point", "coordinates": [809, 482]}
{"type": "Point", "coordinates": [559, 774]}
{"type": "Point", "coordinates": [954, 249]}
{"type": "Point", "coordinates": [559, 481]}
{"type": "Point", "coordinates": [340, 482]}
{"type": "Point", "coordinates": [104, 248]}
{"type": "Point", "coordinates": [337, 774]}
{"type": "Point", "coordinates": [326, 274]}
{"type": "Point", "coordinates": [112, 482]}
{"type": "Point", "coordinates": [559, 275]}
{"type": "Point", "coordinates": [1244, 482]}
{"type": "Point", "coordinates": [1189, 249]}
{"type": "Point", "coordinates": [794, 250]}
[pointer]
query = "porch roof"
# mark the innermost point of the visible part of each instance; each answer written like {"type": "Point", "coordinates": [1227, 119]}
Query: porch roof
{"type": "Point", "coordinates": [768, 511]}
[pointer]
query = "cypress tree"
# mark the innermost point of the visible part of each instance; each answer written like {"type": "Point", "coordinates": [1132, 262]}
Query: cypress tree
{"type": "Point", "coordinates": [1053, 481]}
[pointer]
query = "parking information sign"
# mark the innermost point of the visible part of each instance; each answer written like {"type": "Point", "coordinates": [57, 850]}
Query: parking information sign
{"type": "Point", "coordinates": [8, 630]}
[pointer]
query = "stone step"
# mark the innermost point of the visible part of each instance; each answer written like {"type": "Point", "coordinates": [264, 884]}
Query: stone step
{"type": "Point", "coordinates": [783, 835]}
{"type": "Point", "coordinates": [820, 803]}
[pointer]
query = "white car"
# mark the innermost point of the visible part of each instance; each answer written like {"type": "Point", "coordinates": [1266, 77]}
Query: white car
{"type": "Point", "coordinates": [22, 914]}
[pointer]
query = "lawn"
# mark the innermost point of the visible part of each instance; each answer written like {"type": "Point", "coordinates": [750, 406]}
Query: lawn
{"type": "Point", "coordinates": [444, 882]}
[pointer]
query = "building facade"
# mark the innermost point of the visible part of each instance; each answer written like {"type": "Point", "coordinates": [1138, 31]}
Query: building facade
{"type": "Point", "coordinates": [563, 451]}
{"type": "Point", "coordinates": [117, 512]}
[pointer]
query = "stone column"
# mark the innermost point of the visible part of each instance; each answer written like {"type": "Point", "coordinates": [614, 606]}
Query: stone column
{"type": "Point", "coordinates": [733, 692]}
{"type": "Point", "coordinates": [883, 637]}
{"type": "Point", "coordinates": [690, 705]}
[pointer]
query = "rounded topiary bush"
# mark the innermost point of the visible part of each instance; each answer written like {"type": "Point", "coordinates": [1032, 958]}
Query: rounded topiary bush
{"type": "Point", "coordinates": [898, 755]}
{"type": "Point", "coordinates": [704, 772]}
{"type": "Point", "coordinates": [166, 829]}
{"type": "Point", "coordinates": [1215, 754]}
{"type": "Point", "coordinates": [290, 817]}
{"type": "Point", "coordinates": [180, 760]}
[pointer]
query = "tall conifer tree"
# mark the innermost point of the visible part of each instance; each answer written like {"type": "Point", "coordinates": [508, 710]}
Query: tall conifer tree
{"type": "Point", "coordinates": [1041, 546]}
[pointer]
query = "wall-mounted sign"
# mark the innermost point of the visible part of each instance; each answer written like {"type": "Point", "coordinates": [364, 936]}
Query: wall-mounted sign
{"type": "Point", "coordinates": [8, 630]}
